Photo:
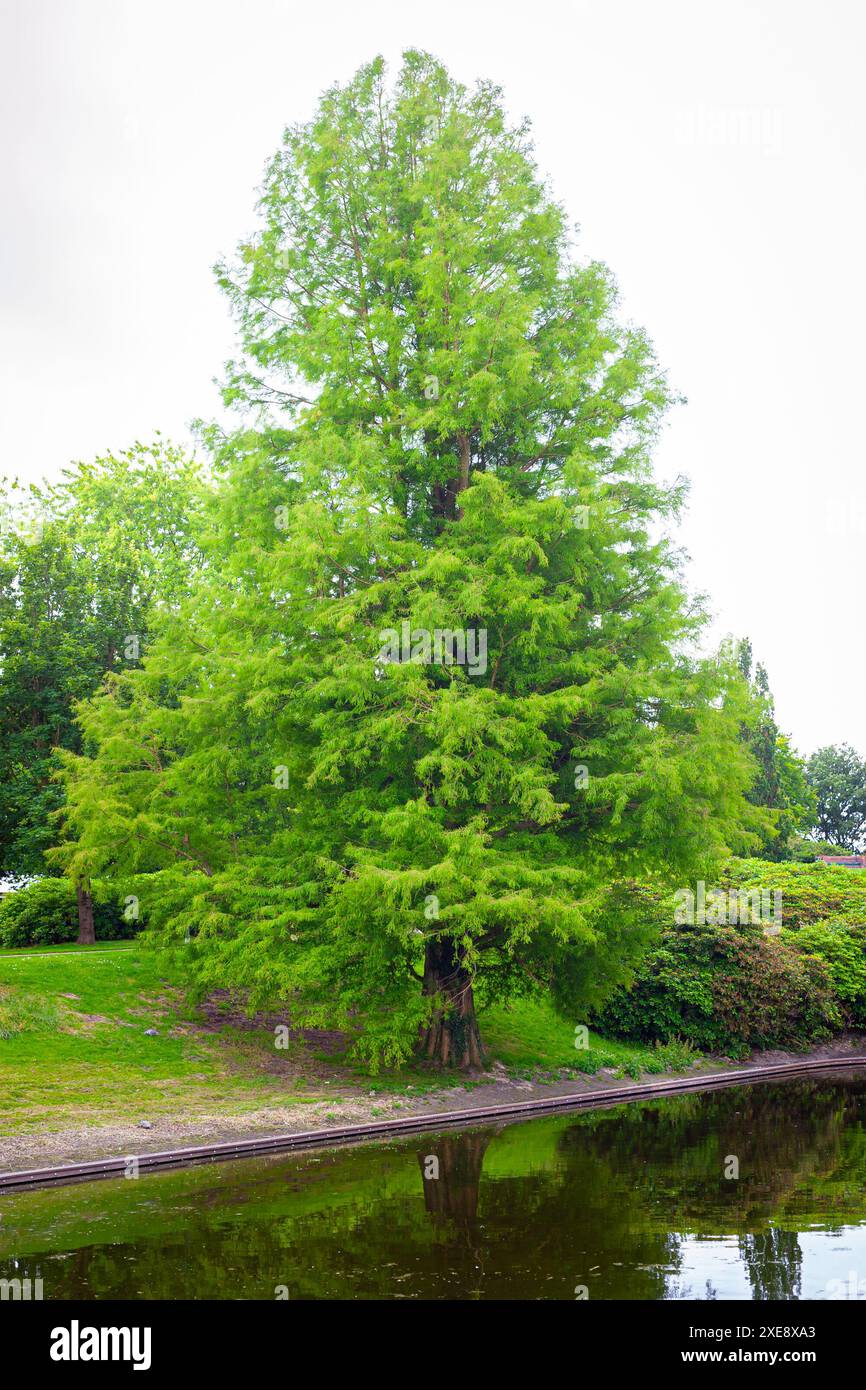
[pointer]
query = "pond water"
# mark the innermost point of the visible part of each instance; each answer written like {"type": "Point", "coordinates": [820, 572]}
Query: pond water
{"type": "Point", "coordinates": [637, 1201]}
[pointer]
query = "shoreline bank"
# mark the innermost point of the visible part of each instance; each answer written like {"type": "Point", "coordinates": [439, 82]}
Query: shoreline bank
{"type": "Point", "coordinates": [106, 1151]}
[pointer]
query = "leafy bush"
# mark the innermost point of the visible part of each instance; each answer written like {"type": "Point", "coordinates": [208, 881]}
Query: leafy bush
{"type": "Point", "coordinates": [45, 913]}
{"type": "Point", "coordinates": [730, 988]}
{"type": "Point", "coordinates": [678, 1055]}
{"type": "Point", "coordinates": [810, 892]}
{"type": "Point", "coordinates": [725, 989]}
{"type": "Point", "coordinates": [842, 948]}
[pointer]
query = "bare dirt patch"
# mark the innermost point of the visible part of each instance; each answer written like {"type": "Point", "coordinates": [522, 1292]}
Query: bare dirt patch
{"type": "Point", "coordinates": [221, 1010]}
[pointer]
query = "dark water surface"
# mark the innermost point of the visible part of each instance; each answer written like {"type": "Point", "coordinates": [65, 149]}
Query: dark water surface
{"type": "Point", "coordinates": [627, 1202]}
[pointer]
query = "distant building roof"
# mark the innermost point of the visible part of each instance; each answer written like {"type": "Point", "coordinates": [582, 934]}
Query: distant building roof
{"type": "Point", "coordinates": [849, 861]}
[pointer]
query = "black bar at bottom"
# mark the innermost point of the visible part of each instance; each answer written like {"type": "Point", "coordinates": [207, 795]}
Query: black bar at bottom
{"type": "Point", "coordinates": [285, 1339]}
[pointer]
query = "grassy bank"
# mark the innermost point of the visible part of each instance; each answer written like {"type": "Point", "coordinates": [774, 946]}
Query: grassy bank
{"type": "Point", "coordinates": [92, 1037]}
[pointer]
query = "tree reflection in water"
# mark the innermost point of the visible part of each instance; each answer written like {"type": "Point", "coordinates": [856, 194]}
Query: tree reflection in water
{"type": "Point", "coordinates": [775, 1263]}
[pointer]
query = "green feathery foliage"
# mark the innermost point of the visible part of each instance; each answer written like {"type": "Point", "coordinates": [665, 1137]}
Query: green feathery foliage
{"type": "Point", "coordinates": [453, 433]}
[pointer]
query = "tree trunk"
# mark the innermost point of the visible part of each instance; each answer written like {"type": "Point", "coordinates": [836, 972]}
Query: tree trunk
{"type": "Point", "coordinates": [86, 932]}
{"type": "Point", "coordinates": [451, 1037]}
{"type": "Point", "coordinates": [446, 497]}
{"type": "Point", "coordinates": [464, 445]}
{"type": "Point", "coordinates": [461, 482]}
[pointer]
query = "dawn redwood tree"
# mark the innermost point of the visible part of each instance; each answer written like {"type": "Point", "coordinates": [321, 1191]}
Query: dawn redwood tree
{"type": "Point", "coordinates": [446, 429]}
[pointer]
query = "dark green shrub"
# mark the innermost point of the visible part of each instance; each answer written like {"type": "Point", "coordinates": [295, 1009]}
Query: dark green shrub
{"type": "Point", "coordinates": [725, 989]}
{"type": "Point", "coordinates": [841, 946]}
{"type": "Point", "coordinates": [45, 913]}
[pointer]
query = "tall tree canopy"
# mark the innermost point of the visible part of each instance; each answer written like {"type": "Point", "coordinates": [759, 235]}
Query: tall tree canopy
{"type": "Point", "coordinates": [446, 429]}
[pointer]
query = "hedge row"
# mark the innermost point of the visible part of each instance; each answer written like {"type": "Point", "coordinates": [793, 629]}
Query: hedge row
{"type": "Point", "coordinates": [45, 913]}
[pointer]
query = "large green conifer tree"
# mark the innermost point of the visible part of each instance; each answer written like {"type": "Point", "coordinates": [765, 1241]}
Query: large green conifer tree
{"type": "Point", "coordinates": [446, 429]}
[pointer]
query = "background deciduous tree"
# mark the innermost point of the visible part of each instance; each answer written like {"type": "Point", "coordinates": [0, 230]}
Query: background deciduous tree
{"type": "Point", "coordinates": [780, 784]}
{"type": "Point", "coordinates": [837, 774]}
{"type": "Point", "coordinates": [82, 564]}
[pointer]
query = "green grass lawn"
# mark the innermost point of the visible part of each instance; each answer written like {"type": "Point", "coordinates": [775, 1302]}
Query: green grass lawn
{"type": "Point", "coordinates": [75, 1050]}
{"type": "Point", "coordinates": [71, 947]}
{"type": "Point", "coordinates": [528, 1037]}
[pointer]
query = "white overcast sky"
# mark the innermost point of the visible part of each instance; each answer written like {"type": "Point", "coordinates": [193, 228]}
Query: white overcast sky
{"type": "Point", "coordinates": [713, 153]}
